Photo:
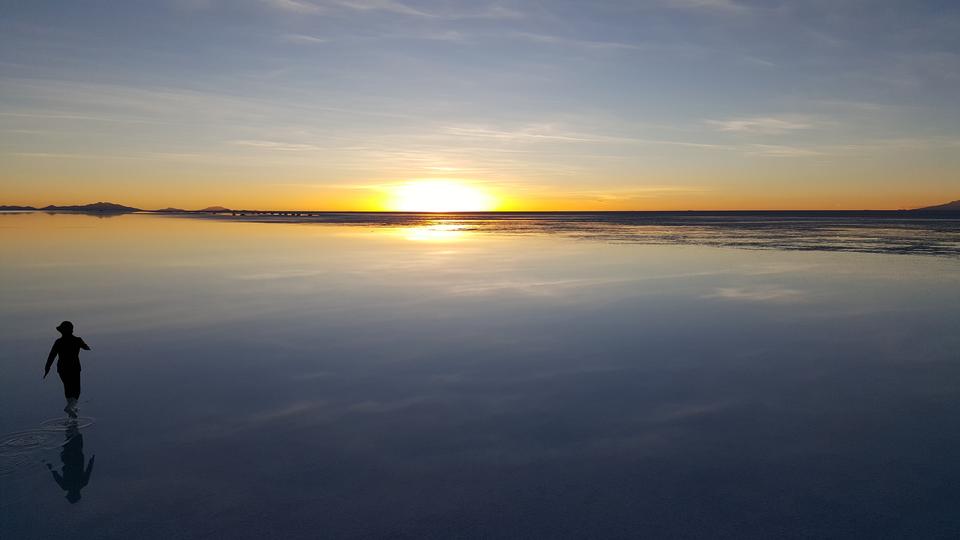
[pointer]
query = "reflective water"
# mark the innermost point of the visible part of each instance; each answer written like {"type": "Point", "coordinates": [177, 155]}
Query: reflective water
{"type": "Point", "coordinates": [465, 378]}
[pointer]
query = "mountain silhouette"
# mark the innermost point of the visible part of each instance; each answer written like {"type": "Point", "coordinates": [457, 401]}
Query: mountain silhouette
{"type": "Point", "coordinates": [953, 206]}
{"type": "Point", "coordinates": [9, 208]}
{"type": "Point", "coordinates": [99, 208]}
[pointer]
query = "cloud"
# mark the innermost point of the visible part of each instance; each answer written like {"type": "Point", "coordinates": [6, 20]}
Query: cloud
{"type": "Point", "coordinates": [276, 145]}
{"type": "Point", "coordinates": [391, 6]}
{"type": "Point", "coordinates": [640, 192]}
{"type": "Point", "coordinates": [558, 40]}
{"type": "Point", "coordinates": [498, 12]}
{"type": "Point", "coordinates": [763, 125]}
{"type": "Point", "coordinates": [538, 133]}
{"type": "Point", "coordinates": [779, 150]}
{"type": "Point", "coordinates": [296, 6]}
{"type": "Point", "coordinates": [715, 5]}
{"type": "Point", "coordinates": [302, 38]}
{"type": "Point", "coordinates": [530, 133]}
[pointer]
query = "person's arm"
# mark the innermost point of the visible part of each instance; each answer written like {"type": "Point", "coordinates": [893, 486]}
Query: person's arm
{"type": "Point", "coordinates": [50, 357]}
{"type": "Point", "coordinates": [83, 345]}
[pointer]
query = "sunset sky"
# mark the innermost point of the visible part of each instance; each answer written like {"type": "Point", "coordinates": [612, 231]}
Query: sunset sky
{"type": "Point", "coordinates": [567, 105]}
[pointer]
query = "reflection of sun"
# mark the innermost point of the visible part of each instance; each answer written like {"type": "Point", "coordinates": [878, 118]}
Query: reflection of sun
{"type": "Point", "coordinates": [439, 196]}
{"type": "Point", "coordinates": [434, 233]}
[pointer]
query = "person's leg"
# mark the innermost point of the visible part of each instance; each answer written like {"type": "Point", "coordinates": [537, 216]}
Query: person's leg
{"type": "Point", "coordinates": [65, 379]}
{"type": "Point", "coordinates": [71, 390]}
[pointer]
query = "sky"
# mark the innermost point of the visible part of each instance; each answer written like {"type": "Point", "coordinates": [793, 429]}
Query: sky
{"type": "Point", "coordinates": [543, 105]}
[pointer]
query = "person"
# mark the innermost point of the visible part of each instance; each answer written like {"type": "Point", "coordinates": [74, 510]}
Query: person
{"type": "Point", "coordinates": [67, 351]}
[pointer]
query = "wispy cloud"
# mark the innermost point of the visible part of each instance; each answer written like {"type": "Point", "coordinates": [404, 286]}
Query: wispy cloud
{"type": "Point", "coordinates": [391, 6]}
{"type": "Point", "coordinates": [396, 7]}
{"type": "Point", "coordinates": [534, 133]}
{"type": "Point", "coordinates": [572, 42]}
{"type": "Point", "coordinates": [780, 150]}
{"type": "Point", "coordinates": [303, 38]}
{"type": "Point", "coordinates": [715, 5]}
{"type": "Point", "coordinates": [640, 192]}
{"type": "Point", "coordinates": [763, 125]}
{"type": "Point", "coordinates": [296, 6]}
{"type": "Point", "coordinates": [529, 133]}
{"type": "Point", "coordinates": [277, 145]}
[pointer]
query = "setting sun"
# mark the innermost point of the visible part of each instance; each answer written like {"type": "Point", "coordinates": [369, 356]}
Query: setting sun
{"type": "Point", "coordinates": [439, 196]}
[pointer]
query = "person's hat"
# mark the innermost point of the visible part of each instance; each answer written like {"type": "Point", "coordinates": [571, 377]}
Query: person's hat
{"type": "Point", "coordinates": [65, 325]}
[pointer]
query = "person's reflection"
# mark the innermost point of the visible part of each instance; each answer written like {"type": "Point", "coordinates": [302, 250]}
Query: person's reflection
{"type": "Point", "coordinates": [73, 477]}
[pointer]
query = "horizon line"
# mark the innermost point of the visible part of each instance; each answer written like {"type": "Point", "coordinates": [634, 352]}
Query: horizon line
{"type": "Point", "coordinates": [291, 213]}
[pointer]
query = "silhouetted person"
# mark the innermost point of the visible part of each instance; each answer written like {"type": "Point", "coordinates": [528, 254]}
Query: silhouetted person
{"type": "Point", "coordinates": [67, 351]}
{"type": "Point", "coordinates": [73, 477]}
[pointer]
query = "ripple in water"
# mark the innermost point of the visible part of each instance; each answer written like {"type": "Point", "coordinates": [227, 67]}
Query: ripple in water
{"type": "Point", "coordinates": [17, 449]}
{"type": "Point", "coordinates": [18, 463]}
{"type": "Point", "coordinates": [63, 424]}
{"type": "Point", "coordinates": [30, 440]}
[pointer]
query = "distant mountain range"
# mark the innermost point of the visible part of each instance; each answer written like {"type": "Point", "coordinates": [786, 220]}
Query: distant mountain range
{"type": "Point", "coordinates": [95, 208]}
{"type": "Point", "coordinates": [949, 207]}
{"type": "Point", "coordinates": [103, 208]}
{"type": "Point", "coordinates": [98, 207]}
{"type": "Point", "coordinates": [113, 208]}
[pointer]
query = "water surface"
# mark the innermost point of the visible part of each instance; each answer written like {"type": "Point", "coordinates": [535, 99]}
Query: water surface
{"type": "Point", "coordinates": [425, 377]}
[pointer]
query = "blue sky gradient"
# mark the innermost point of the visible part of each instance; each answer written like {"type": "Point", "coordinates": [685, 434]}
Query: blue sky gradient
{"type": "Point", "coordinates": [608, 105]}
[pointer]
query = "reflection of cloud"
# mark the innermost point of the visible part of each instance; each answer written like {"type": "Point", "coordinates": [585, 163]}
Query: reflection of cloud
{"type": "Point", "coordinates": [326, 411]}
{"type": "Point", "coordinates": [294, 409]}
{"type": "Point", "coordinates": [557, 286]}
{"type": "Point", "coordinates": [377, 406]}
{"type": "Point", "coordinates": [779, 268]}
{"type": "Point", "coordinates": [525, 287]}
{"type": "Point", "coordinates": [688, 411]}
{"type": "Point", "coordinates": [769, 293]}
{"type": "Point", "coordinates": [286, 274]}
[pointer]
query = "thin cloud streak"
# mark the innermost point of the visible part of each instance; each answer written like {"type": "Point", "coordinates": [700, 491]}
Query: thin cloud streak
{"type": "Point", "coordinates": [763, 125]}
{"type": "Point", "coordinates": [711, 5]}
{"type": "Point", "coordinates": [393, 7]}
{"type": "Point", "coordinates": [295, 6]}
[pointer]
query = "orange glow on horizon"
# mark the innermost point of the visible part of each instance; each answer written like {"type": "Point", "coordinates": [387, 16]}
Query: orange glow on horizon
{"type": "Point", "coordinates": [439, 196]}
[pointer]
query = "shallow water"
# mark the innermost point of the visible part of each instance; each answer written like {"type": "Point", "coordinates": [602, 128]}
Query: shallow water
{"type": "Point", "coordinates": [452, 377]}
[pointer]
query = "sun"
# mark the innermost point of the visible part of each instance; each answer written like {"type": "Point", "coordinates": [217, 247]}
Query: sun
{"type": "Point", "coordinates": [439, 196]}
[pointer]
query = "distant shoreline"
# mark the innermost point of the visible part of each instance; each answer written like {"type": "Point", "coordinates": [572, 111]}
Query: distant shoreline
{"type": "Point", "coordinates": [862, 231]}
{"type": "Point", "coordinates": [309, 213]}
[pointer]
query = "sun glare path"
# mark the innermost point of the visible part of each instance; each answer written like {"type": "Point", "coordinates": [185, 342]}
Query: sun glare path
{"type": "Point", "coordinates": [435, 233]}
{"type": "Point", "coordinates": [440, 196]}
